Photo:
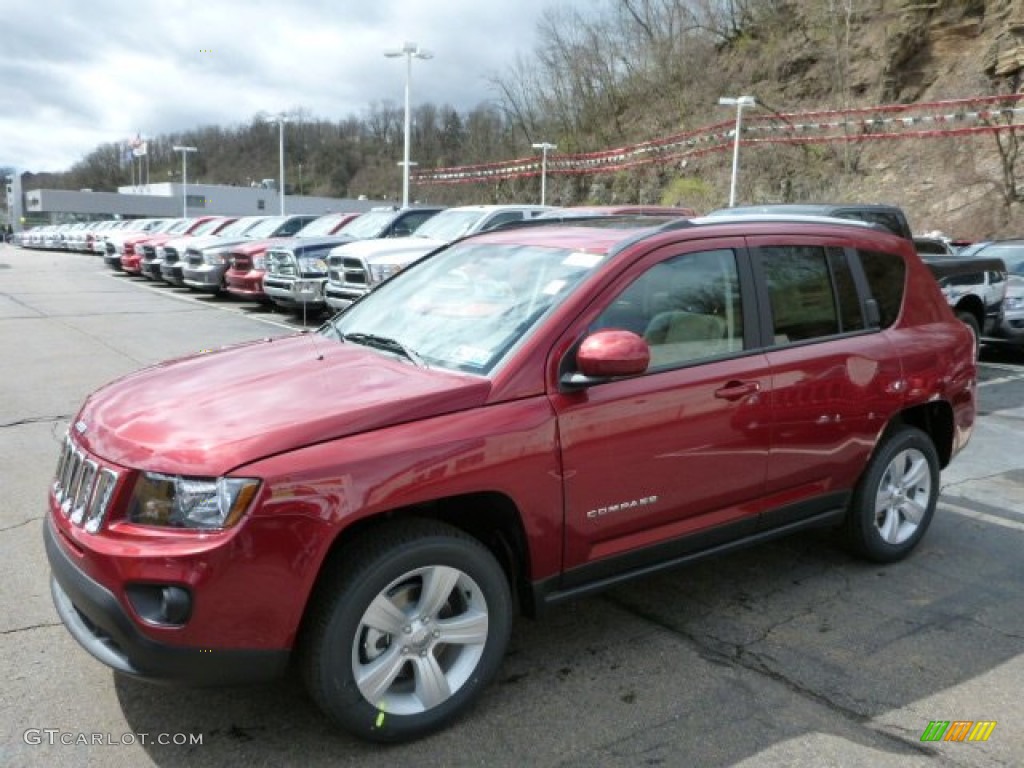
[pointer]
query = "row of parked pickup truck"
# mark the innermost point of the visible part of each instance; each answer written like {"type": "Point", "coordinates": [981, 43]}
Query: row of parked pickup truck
{"type": "Point", "coordinates": [302, 262]}
{"type": "Point", "coordinates": [310, 263]}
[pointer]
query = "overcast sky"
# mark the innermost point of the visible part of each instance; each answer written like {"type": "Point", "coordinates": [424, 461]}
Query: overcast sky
{"type": "Point", "coordinates": [75, 74]}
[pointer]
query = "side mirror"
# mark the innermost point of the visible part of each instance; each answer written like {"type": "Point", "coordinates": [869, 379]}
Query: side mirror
{"type": "Point", "coordinates": [607, 354]}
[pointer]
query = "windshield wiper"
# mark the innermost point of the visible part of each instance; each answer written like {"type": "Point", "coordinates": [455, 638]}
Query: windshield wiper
{"type": "Point", "coordinates": [385, 343]}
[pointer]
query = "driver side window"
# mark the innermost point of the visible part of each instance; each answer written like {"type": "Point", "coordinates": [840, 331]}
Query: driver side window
{"type": "Point", "coordinates": [687, 308]}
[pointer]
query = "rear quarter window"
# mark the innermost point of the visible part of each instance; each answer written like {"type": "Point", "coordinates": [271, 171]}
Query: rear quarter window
{"type": "Point", "coordinates": [886, 276]}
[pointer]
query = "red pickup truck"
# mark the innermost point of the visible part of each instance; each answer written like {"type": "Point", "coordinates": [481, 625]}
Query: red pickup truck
{"type": "Point", "coordinates": [522, 417]}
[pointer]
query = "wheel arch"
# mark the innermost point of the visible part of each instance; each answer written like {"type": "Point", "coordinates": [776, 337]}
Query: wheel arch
{"type": "Point", "coordinates": [491, 518]}
{"type": "Point", "coordinates": [935, 419]}
{"type": "Point", "coordinates": [972, 305]}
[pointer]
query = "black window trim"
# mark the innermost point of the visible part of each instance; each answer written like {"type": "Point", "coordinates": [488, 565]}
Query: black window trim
{"type": "Point", "coordinates": [766, 322]}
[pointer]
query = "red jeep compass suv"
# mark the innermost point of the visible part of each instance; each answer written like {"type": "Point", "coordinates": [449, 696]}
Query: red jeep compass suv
{"type": "Point", "coordinates": [521, 417]}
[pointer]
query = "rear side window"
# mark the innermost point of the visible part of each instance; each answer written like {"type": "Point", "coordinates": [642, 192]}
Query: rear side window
{"type": "Point", "coordinates": [812, 292]}
{"type": "Point", "coordinates": [886, 275]}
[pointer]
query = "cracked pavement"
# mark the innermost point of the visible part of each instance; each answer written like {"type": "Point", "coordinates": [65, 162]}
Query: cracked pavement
{"type": "Point", "coordinates": [791, 653]}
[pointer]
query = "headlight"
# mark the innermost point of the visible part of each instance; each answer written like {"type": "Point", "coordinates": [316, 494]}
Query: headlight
{"type": "Point", "coordinates": [259, 262]}
{"type": "Point", "coordinates": [190, 502]}
{"type": "Point", "coordinates": [381, 272]}
{"type": "Point", "coordinates": [214, 258]}
{"type": "Point", "coordinates": [313, 265]}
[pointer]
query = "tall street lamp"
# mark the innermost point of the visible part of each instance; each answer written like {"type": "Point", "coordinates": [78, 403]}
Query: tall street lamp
{"type": "Point", "coordinates": [281, 120]}
{"type": "Point", "coordinates": [544, 147]}
{"type": "Point", "coordinates": [410, 51]}
{"type": "Point", "coordinates": [184, 177]}
{"type": "Point", "coordinates": [739, 103]}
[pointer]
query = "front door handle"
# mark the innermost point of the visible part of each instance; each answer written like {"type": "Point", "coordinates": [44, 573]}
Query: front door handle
{"type": "Point", "coordinates": [736, 390]}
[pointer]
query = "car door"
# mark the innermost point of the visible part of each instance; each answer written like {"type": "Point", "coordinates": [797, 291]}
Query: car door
{"type": "Point", "coordinates": [654, 460]}
{"type": "Point", "coordinates": [832, 373]}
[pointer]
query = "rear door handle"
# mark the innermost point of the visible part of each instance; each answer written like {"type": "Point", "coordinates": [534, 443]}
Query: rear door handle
{"type": "Point", "coordinates": [735, 390]}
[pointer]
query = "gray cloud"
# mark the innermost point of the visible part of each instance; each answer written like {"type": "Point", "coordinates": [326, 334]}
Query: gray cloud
{"type": "Point", "coordinates": [78, 75]}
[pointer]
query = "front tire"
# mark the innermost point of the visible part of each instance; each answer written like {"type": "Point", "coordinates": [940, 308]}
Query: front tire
{"type": "Point", "coordinates": [895, 499]}
{"type": "Point", "coordinates": [406, 631]}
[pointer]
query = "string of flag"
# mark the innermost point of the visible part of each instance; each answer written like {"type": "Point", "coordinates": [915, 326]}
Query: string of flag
{"type": "Point", "coordinates": [938, 119]}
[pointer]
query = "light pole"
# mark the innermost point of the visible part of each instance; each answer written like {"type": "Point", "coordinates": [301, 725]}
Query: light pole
{"type": "Point", "coordinates": [544, 148]}
{"type": "Point", "coordinates": [281, 120]}
{"type": "Point", "coordinates": [184, 177]}
{"type": "Point", "coordinates": [739, 103]}
{"type": "Point", "coordinates": [410, 51]}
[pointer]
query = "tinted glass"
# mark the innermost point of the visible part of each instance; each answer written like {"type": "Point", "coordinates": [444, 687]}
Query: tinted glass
{"type": "Point", "coordinates": [850, 315]}
{"type": "Point", "coordinates": [686, 308]}
{"type": "Point", "coordinates": [886, 274]}
{"type": "Point", "coordinates": [800, 288]}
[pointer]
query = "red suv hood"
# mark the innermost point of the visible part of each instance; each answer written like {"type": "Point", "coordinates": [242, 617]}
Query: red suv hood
{"type": "Point", "coordinates": [210, 413]}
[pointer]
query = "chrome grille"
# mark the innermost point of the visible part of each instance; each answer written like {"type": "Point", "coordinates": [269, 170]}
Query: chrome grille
{"type": "Point", "coordinates": [355, 272]}
{"type": "Point", "coordinates": [82, 487]}
{"type": "Point", "coordinates": [282, 264]}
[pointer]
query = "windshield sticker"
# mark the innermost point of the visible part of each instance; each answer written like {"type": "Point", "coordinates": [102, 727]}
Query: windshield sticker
{"type": "Point", "coordinates": [580, 259]}
{"type": "Point", "coordinates": [554, 287]}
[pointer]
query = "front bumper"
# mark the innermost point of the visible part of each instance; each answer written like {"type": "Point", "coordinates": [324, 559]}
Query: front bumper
{"type": "Point", "coordinates": [295, 292]}
{"type": "Point", "coordinates": [113, 260]}
{"type": "Point", "coordinates": [95, 618]}
{"type": "Point", "coordinates": [204, 277]}
{"type": "Point", "coordinates": [151, 268]}
{"type": "Point", "coordinates": [246, 285]}
{"type": "Point", "coordinates": [339, 298]}
{"type": "Point", "coordinates": [1011, 327]}
{"type": "Point", "coordinates": [171, 273]}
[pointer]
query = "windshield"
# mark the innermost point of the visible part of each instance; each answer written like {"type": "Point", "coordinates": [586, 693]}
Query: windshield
{"type": "Point", "coordinates": [240, 226]}
{"type": "Point", "coordinates": [368, 225]}
{"type": "Point", "coordinates": [1012, 255]}
{"type": "Point", "coordinates": [449, 225]}
{"type": "Point", "coordinates": [466, 307]}
{"type": "Point", "coordinates": [175, 226]}
{"type": "Point", "coordinates": [322, 226]}
{"type": "Point", "coordinates": [267, 227]}
{"type": "Point", "coordinates": [927, 247]}
{"type": "Point", "coordinates": [207, 227]}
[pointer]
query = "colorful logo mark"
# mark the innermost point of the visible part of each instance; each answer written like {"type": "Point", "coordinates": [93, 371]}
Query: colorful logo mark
{"type": "Point", "coordinates": [958, 730]}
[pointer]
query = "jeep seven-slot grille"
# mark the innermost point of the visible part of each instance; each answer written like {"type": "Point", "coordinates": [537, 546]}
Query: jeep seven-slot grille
{"type": "Point", "coordinates": [82, 487]}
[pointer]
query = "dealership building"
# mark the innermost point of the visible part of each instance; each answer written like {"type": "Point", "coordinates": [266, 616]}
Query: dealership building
{"type": "Point", "coordinates": [165, 200]}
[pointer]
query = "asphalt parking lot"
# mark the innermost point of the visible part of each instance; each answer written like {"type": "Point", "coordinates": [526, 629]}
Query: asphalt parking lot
{"type": "Point", "coordinates": [789, 654]}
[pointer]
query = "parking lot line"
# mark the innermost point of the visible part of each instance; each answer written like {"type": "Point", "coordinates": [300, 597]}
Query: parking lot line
{"type": "Point", "coordinates": [951, 506]}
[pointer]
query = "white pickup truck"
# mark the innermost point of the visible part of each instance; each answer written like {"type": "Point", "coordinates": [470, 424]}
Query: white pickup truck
{"type": "Point", "coordinates": [356, 268]}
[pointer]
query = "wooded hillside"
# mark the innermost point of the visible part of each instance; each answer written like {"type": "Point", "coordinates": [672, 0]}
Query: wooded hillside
{"type": "Point", "coordinates": [636, 70]}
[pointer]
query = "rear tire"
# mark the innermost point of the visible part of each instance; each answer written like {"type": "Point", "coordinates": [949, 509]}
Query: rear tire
{"type": "Point", "coordinates": [406, 630]}
{"type": "Point", "coordinates": [894, 502]}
